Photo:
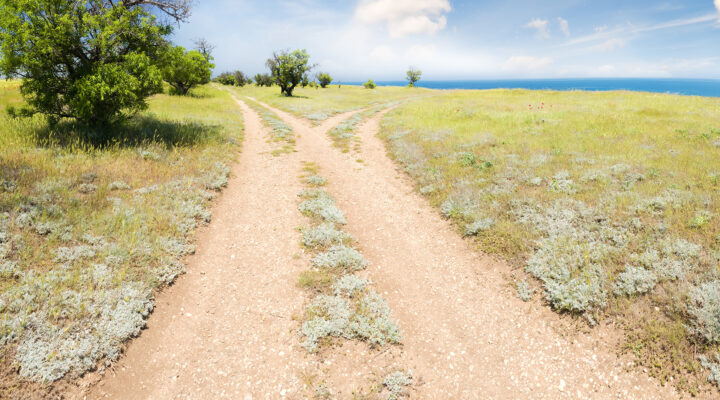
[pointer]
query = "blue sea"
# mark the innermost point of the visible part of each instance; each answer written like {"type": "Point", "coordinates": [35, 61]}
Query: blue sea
{"type": "Point", "coordinates": [693, 87]}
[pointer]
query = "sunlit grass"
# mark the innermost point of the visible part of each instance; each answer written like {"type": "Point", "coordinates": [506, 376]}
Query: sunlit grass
{"type": "Point", "coordinates": [577, 188]}
{"type": "Point", "coordinates": [89, 230]}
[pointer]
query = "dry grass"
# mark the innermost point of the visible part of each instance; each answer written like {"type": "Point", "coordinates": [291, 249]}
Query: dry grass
{"type": "Point", "coordinates": [594, 194]}
{"type": "Point", "coordinates": [88, 231]}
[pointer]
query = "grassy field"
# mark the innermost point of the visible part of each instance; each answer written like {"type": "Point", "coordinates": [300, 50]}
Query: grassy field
{"type": "Point", "coordinates": [318, 105]}
{"type": "Point", "coordinates": [608, 204]}
{"type": "Point", "coordinates": [88, 232]}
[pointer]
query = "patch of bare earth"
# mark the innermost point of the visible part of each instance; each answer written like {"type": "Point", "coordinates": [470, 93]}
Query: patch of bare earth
{"type": "Point", "coordinates": [229, 328]}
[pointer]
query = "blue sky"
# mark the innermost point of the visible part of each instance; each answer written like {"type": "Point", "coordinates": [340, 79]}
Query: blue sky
{"type": "Point", "coordinates": [379, 39]}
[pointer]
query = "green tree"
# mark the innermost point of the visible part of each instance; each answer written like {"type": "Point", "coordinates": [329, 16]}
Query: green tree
{"type": "Point", "coordinates": [413, 75]}
{"type": "Point", "coordinates": [92, 60]}
{"type": "Point", "coordinates": [324, 79]}
{"type": "Point", "coordinates": [226, 78]}
{"type": "Point", "coordinates": [241, 79]}
{"type": "Point", "coordinates": [289, 69]}
{"type": "Point", "coordinates": [185, 69]}
{"type": "Point", "coordinates": [369, 84]}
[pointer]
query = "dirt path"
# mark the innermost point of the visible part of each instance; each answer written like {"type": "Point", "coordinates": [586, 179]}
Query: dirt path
{"type": "Point", "coordinates": [226, 329]}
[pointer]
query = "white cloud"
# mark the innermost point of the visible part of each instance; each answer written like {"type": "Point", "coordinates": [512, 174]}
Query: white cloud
{"type": "Point", "coordinates": [606, 70]}
{"type": "Point", "coordinates": [565, 27]}
{"type": "Point", "coordinates": [541, 25]}
{"type": "Point", "coordinates": [717, 5]}
{"type": "Point", "coordinates": [405, 17]}
{"type": "Point", "coordinates": [527, 64]}
{"type": "Point", "coordinates": [381, 52]}
{"type": "Point", "coordinates": [609, 45]}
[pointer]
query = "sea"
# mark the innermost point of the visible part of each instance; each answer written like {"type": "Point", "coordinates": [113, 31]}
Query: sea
{"type": "Point", "coordinates": [690, 87]}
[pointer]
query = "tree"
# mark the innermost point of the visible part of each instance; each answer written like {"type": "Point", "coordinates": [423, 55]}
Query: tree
{"type": "Point", "coordinates": [369, 84]}
{"type": "Point", "coordinates": [205, 48]}
{"type": "Point", "coordinates": [185, 69]}
{"type": "Point", "coordinates": [92, 60]}
{"type": "Point", "coordinates": [413, 75]}
{"type": "Point", "coordinates": [289, 69]}
{"type": "Point", "coordinates": [263, 80]}
{"type": "Point", "coordinates": [226, 78]}
{"type": "Point", "coordinates": [241, 79]}
{"type": "Point", "coordinates": [324, 79]}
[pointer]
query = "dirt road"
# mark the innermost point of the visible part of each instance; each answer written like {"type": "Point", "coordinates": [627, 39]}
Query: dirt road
{"type": "Point", "coordinates": [229, 328]}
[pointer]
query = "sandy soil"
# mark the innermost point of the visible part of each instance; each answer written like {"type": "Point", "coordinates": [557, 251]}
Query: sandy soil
{"type": "Point", "coordinates": [229, 328]}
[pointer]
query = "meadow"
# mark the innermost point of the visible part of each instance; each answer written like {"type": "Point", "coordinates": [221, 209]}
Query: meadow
{"type": "Point", "coordinates": [605, 203]}
{"type": "Point", "coordinates": [93, 224]}
{"type": "Point", "coordinates": [318, 104]}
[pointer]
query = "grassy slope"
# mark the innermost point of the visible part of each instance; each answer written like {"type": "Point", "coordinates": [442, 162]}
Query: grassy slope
{"type": "Point", "coordinates": [320, 104]}
{"type": "Point", "coordinates": [609, 199]}
{"type": "Point", "coordinates": [88, 234]}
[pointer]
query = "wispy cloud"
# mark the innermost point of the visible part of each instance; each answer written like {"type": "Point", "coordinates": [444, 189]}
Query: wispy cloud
{"type": "Point", "coordinates": [609, 45]}
{"type": "Point", "coordinates": [603, 34]}
{"type": "Point", "coordinates": [405, 17]}
{"type": "Point", "coordinates": [541, 26]}
{"type": "Point", "coordinates": [565, 27]}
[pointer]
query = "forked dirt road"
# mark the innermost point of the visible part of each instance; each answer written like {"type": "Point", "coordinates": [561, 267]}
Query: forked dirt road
{"type": "Point", "coordinates": [228, 329]}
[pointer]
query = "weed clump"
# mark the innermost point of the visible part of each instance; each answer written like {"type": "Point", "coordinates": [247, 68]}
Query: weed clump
{"type": "Point", "coordinates": [340, 257]}
{"type": "Point", "coordinates": [524, 291]}
{"type": "Point", "coordinates": [324, 235]}
{"type": "Point", "coordinates": [315, 180]}
{"type": "Point", "coordinates": [396, 383]}
{"type": "Point", "coordinates": [704, 308]}
{"type": "Point", "coordinates": [119, 185]}
{"type": "Point", "coordinates": [322, 206]}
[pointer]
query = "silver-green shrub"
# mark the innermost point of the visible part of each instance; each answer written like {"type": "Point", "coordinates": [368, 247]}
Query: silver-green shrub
{"type": "Point", "coordinates": [396, 383]}
{"type": "Point", "coordinates": [340, 256]}
{"type": "Point", "coordinates": [524, 290]}
{"type": "Point", "coordinates": [315, 180]}
{"type": "Point", "coordinates": [478, 226]}
{"type": "Point", "coordinates": [349, 285]}
{"type": "Point", "coordinates": [713, 367]}
{"type": "Point", "coordinates": [323, 207]}
{"type": "Point", "coordinates": [704, 308]}
{"type": "Point", "coordinates": [118, 185]}
{"type": "Point", "coordinates": [634, 280]}
{"type": "Point", "coordinates": [324, 235]}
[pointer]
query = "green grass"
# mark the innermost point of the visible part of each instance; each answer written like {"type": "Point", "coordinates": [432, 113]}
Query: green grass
{"type": "Point", "coordinates": [318, 105]}
{"type": "Point", "coordinates": [575, 187]}
{"type": "Point", "coordinates": [89, 232]}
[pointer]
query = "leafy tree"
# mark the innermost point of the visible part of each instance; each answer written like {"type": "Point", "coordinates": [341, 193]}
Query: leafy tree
{"type": "Point", "coordinates": [413, 75]}
{"type": "Point", "coordinates": [185, 69]}
{"type": "Point", "coordinates": [241, 79]}
{"type": "Point", "coordinates": [369, 84]}
{"type": "Point", "coordinates": [226, 78]}
{"type": "Point", "coordinates": [324, 79]}
{"type": "Point", "coordinates": [289, 69]}
{"type": "Point", "coordinates": [205, 48]}
{"type": "Point", "coordinates": [93, 60]}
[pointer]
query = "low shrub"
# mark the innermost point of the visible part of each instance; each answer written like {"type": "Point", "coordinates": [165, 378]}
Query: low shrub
{"type": "Point", "coordinates": [340, 257]}
{"type": "Point", "coordinates": [369, 84]}
{"type": "Point", "coordinates": [704, 308]}
{"type": "Point", "coordinates": [635, 280]}
{"type": "Point", "coordinates": [324, 235]}
{"type": "Point", "coordinates": [396, 383]}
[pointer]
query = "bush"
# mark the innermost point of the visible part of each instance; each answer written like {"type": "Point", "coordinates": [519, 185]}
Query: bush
{"type": "Point", "coordinates": [714, 368]}
{"type": "Point", "coordinates": [185, 69]}
{"type": "Point", "coordinates": [324, 235]}
{"type": "Point", "coordinates": [369, 84]}
{"type": "Point", "coordinates": [95, 62]}
{"type": "Point", "coordinates": [396, 382]}
{"type": "Point", "coordinates": [324, 79]}
{"type": "Point", "coordinates": [635, 280]}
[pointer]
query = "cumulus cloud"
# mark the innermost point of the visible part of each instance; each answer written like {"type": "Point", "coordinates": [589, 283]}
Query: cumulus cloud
{"type": "Point", "coordinates": [565, 27]}
{"type": "Point", "coordinates": [541, 26]}
{"type": "Point", "coordinates": [405, 17]}
{"type": "Point", "coordinates": [717, 5]}
{"type": "Point", "coordinates": [526, 63]}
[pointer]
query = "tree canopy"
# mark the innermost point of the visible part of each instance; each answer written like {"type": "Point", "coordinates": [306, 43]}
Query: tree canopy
{"type": "Point", "coordinates": [324, 79]}
{"type": "Point", "coordinates": [185, 69]}
{"type": "Point", "coordinates": [413, 75]}
{"type": "Point", "coordinates": [289, 69]}
{"type": "Point", "coordinates": [93, 60]}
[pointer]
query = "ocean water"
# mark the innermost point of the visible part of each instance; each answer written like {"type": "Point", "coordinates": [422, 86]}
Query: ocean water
{"type": "Point", "coordinates": [693, 87]}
